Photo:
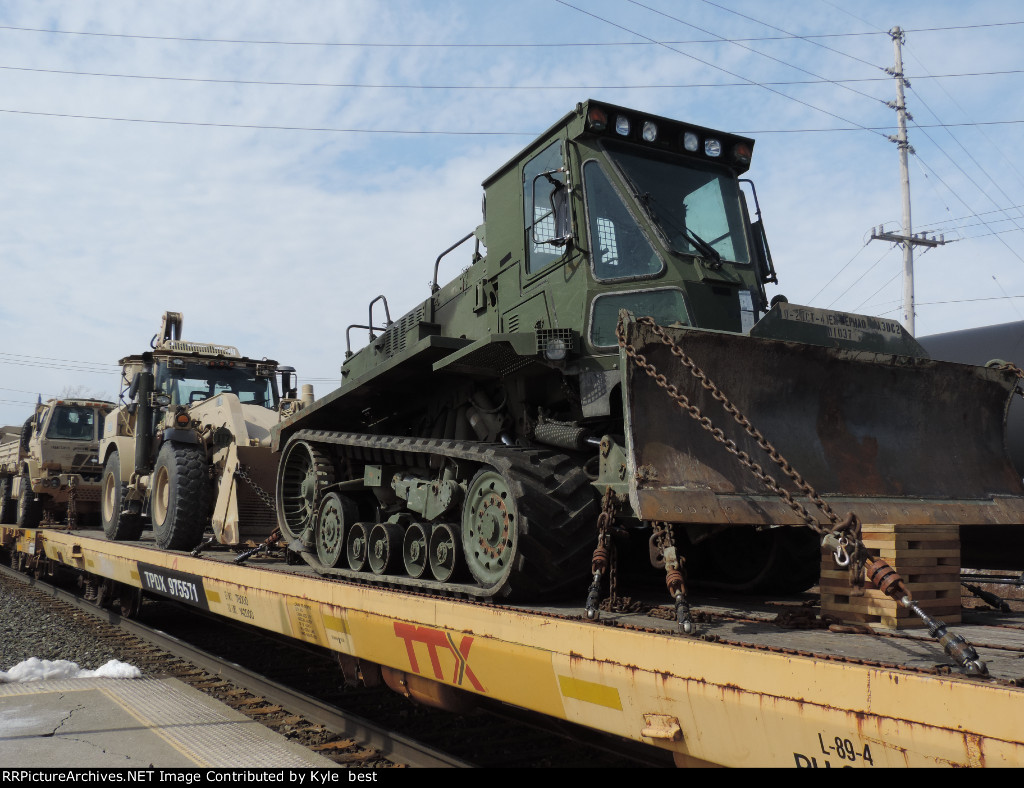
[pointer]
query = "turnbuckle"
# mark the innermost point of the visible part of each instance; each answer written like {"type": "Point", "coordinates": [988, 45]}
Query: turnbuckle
{"type": "Point", "coordinates": [889, 582]}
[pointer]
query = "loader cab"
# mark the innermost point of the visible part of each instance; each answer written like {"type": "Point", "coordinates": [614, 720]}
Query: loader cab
{"type": "Point", "coordinates": [192, 380]}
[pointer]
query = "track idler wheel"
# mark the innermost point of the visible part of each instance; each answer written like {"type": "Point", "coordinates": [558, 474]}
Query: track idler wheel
{"type": "Point", "coordinates": [305, 471]}
{"type": "Point", "coordinates": [384, 550]}
{"type": "Point", "coordinates": [443, 550]}
{"type": "Point", "coordinates": [336, 511]}
{"type": "Point", "coordinates": [414, 550]}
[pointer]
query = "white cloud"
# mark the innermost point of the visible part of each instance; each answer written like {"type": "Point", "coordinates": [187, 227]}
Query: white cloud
{"type": "Point", "coordinates": [275, 241]}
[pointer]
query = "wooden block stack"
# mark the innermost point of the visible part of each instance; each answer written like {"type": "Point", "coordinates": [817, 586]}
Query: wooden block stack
{"type": "Point", "coordinates": [927, 557]}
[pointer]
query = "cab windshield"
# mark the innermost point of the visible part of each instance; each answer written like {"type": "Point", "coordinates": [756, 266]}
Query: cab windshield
{"type": "Point", "coordinates": [196, 381]}
{"type": "Point", "coordinates": [73, 423]}
{"type": "Point", "coordinates": [695, 204]}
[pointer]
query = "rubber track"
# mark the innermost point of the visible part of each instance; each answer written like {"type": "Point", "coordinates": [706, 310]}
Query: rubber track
{"type": "Point", "coordinates": [557, 505]}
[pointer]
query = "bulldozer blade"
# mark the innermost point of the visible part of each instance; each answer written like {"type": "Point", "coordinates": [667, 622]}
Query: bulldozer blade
{"type": "Point", "coordinates": [895, 438]}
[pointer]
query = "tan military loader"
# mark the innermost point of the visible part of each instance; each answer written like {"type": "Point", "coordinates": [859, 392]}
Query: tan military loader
{"type": "Point", "coordinates": [188, 448]}
{"type": "Point", "coordinates": [50, 467]}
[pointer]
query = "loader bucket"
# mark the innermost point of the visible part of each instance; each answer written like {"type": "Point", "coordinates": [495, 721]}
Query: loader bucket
{"type": "Point", "coordinates": [895, 437]}
{"type": "Point", "coordinates": [240, 512]}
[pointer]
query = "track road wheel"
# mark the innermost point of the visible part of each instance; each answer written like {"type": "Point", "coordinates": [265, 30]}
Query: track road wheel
{"type": "Point", "coordinates": [443, 551]}
{"type": "Point", "coordinates": [490, 528]}
{"type": "Point", "coordinates": [117, 524]}
{"type": "Point", "coordinates": [336, 511]}
{"type": "Point", "coordinates": [355, 546]}
{"type": "Point", "coordinates": [384, 549]}
{"type": "Point", "coordinates": [414, 550]}
{"type": "Point", "coordinates": [30, 511]}
{"type": "Point", "coordinates": [179, 505]}
{"type": "Point", "coordinates": [303, 474]}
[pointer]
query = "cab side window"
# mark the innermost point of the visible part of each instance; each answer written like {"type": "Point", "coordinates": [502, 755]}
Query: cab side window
{"type": "Point", "coordinates": [538, 217]}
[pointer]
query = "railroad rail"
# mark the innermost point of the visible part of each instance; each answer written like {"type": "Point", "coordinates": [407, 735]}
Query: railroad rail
{"type": "Point", "coordinates": [755, 685]}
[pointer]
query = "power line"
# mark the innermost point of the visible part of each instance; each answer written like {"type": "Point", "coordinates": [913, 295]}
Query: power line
{"type": "Point", "coordinates": [830, 281]}
{"type": "Point", "coordinates": [763, 54]}
{"type": "Point", "coordinates": [64, 360]}
{"type": "Point", "coordinates": [274, 128]}
{"type": "Point", "coordinates": [793, 35]}
{"type": "Point", "coordinates": [968, 207]}
{"type": "Point", "coordinates": [475, 45]}
{"type": "Point", "coordinates": [461, 132]}
{"type": "Point", "coordinates": [859, 278]}
{"type": "Point", "coordinates": [879, 290]}
{"type": "Point", "coordinates": [971, 216]}
{"type": "Point", "coordinates": [957, 301]}
{"type": "Point", "coordinates": [547, 86]}
{"type": "Point", "coordinates": [719, 68]}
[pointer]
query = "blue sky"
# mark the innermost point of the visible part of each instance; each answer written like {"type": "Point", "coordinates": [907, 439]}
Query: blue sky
{"type": "Point", "coordinates": [149, 164]}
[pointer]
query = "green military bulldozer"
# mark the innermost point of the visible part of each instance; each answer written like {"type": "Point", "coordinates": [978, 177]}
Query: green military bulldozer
{"type": "Point", "coordinates": [608, 373]}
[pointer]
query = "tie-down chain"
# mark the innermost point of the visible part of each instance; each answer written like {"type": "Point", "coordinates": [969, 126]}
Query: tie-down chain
{"type": "Point", "coordinates": [843, 538]}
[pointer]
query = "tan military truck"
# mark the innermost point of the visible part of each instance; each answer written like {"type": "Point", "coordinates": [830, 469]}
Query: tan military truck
{"type": "Point", "coordinates": [50, 468]}
{"type": "Point", "coordinates": [188, 447]}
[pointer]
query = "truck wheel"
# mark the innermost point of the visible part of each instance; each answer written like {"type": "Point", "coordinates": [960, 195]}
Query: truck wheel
{"type": "Point", "coordinates": [7, 514]}
{"type": "Point", "coordinates": [30, 511]}
{"type": "Point", "coordinates": [117, 525]}
{"type": "Point", "coordinates": [26, 433]}
{"type": "Point", "coordinates": [179, 503]}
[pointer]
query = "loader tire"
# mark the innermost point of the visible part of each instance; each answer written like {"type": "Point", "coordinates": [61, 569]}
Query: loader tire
{"type": "Point", "coordinates": [117, 525]}
{"type": "Point", "coordinates": [7, 506]}
{"type": "Point", "coordinates": [30, 511]}
{"type": "Point", "coordinates": [181, 496]}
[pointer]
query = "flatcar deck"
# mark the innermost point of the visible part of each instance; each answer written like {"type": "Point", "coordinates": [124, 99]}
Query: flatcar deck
{"type": "Point", "coordinates": [752, 687]}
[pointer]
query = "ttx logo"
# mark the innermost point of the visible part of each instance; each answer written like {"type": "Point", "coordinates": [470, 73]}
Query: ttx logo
{"type": "Point", "coordinates": [435, 640]}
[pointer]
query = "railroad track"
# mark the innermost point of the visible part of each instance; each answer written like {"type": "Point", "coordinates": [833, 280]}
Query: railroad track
{"type": "Point", "coordinates": [345, 738]}
{"type": "Point", "coordinates": [297, 691]}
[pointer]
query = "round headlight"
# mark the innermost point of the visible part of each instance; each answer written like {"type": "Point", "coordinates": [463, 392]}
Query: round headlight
{"type": "Point", "coordinates": [622, 125]}
{"type": "Point", "coordinates": [712, 148]}
{"type": "Point", "coordinates": [650, 132]}
{"type": "Point", "coordinates": [690, 142]}
{"type": "Point", "coordinates": [555, 349]}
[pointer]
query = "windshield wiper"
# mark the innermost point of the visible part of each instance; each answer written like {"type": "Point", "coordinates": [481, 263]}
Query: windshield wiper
{"type": "Point", "coordinates": [703, 246]}
{"type": "Point", "coordinates": [645, 201]}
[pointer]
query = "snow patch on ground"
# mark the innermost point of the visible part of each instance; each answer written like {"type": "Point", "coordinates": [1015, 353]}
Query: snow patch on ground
{"type": "Point", "coordinates": [35, 669]}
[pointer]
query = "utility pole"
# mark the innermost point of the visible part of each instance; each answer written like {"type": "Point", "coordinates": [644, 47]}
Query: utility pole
{"type": "Point", "coordinates": [907, 238]}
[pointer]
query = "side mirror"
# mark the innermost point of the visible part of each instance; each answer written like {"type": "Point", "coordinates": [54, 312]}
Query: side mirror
{"type": "Point", "coordinates": [560, 208]}
{"type": "Point", "coordinates": [286, 380]}
{"type": "Point", "coordinates": [557, 222]}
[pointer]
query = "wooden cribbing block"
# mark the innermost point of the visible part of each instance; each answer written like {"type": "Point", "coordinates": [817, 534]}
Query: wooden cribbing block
{"type": "Point", "coordinates": [927, 557]}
